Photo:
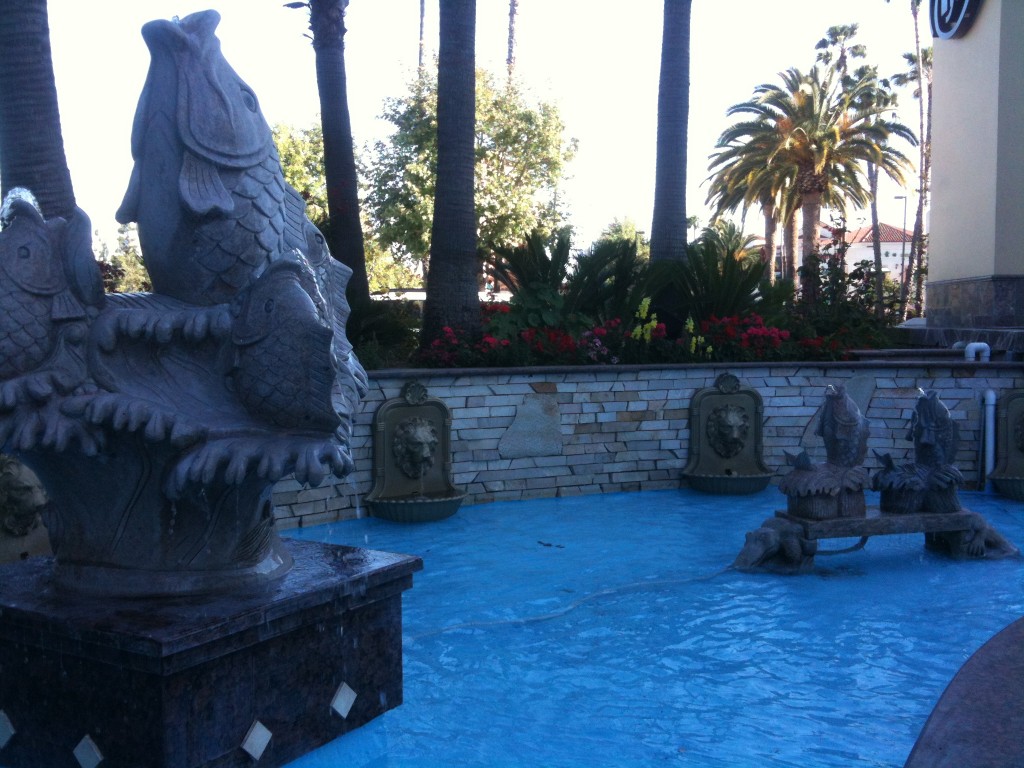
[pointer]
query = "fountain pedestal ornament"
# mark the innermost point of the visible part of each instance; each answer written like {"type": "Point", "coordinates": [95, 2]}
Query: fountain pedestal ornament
{"type": "Point", "coordinates": [726, 445]}
{"type": "Point", "coordinates": [915, 498]}
{"type": "Point", "coordinates": [170, 615]}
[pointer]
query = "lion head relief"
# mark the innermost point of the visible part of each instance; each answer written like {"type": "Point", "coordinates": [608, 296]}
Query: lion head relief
{"type": "Point", "coordinates": [22, 497]}
{"type": "Point", "coordinates": [727, 429]}
{"type": "Point", "coordinates": [414, 445]}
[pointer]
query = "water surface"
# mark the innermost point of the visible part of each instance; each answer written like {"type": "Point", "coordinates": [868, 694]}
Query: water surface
{"type": "Point", "coordinates": [609, 631]}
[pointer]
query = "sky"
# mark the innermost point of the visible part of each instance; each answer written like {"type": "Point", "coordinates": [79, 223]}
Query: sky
{"type": "Point", "coordinates": [596, 60]}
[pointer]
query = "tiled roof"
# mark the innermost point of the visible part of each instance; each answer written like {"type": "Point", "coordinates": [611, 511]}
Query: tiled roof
{"type": "Point", "coordinates": [887, 234]}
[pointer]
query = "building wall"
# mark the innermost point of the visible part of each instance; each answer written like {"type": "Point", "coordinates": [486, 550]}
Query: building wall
{"type": "Point", "coordinates": [977, 165]}
{"type": "Point", "coordinates": [603, 430]}
{"type": "Point", "coordinates": [891, 256]}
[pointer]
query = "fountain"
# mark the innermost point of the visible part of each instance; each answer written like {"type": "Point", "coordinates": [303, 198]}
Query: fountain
{"type": "Point", "coordinates": [410, 484]}
{"type": "Point", "coordinates": [725, 439]}
{"type": "Point", "coordinates": [1008, 475]}
{"type": "Point", "coordinates": [170, 628]}
{"type": "Point", "coordinates": [826, 501]}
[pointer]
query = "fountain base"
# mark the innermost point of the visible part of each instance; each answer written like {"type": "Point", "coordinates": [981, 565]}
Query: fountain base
{"type": "Point", "coordinates": [415, 509]}
{"type": "Point", "coordinates": [226, 681]}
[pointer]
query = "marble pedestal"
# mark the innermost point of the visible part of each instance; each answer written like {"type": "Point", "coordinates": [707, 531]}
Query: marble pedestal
{"type": "Point", "coordinates": [221, 681]}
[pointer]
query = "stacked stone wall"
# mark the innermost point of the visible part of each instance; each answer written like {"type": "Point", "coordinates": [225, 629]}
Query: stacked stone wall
{"type": "Point", "coordinates": [531, 433]}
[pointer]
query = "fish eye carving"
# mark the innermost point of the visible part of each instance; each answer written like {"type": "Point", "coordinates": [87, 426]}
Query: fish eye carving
{"type": "Point", "coordinates": [249, 99]}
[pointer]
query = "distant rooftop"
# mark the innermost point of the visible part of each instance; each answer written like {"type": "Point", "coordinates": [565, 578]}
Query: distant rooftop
{"type": "Point", "coordinates": [887, 234]}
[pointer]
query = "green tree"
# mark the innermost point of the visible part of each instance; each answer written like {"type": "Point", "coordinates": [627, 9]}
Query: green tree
{"type": "Point", "coordinates": [626, 230]}
{"type": "Point", "coordinates": [520, 158]}
{"type": "Point", "coordinates": [744, 174]}
{"type": "Point", "coordinates": [836, 50]}
{"type": "Point", "coordinates": [668, 227]}
{"type": "Point", "coordinates": [454, 271]}
{"type": "Point", "coordinates": [302, 161]}
{"type": "Point", "coordinates": [31, 143]}
{"type": "Point", "coordinates": [301, 152]}
{"type": "Point", "coordinates": [822, 129]}
{"type": "Point", "coordinates": [123, 270]}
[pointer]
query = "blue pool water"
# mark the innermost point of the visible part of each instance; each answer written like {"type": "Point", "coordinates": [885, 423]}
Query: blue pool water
{"type": "Point", "coordinates": [609, 631]}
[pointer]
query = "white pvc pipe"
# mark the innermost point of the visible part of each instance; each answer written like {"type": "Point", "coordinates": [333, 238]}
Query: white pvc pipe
{"type": "Point", "coordinates": [977, 349]}
{"type": "Point", "coordinates": [990, 437]}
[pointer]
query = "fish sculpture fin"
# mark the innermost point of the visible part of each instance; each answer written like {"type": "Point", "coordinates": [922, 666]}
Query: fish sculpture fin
{"type": "Point", "coordinates": [128, 210]}
{"type": "Point", "coordinates": [201, 189]}
{"type": "Point", "coordinates": [66, 307]}
{"type": "Point", "coordinates": [80, 267]}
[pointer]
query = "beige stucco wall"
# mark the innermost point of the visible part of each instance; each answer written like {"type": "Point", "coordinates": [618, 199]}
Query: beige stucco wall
{"type": "Point", "coordinates": [977, 226]}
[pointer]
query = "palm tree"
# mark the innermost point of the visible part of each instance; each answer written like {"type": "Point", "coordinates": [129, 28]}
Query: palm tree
{"type": "Point", "coordinates": [823, 130]}
{"type": "Point", "coordinates": [668, 228]}
{"type": "Point", "coordinates": [835, 49]}
{"type": "Point", "coordinates": [454, 271]}
{"type": "Point", "coordinates": [31, 143]}
{"type": "Point", "coordinates": [345, 231]}
{"type": "Point", "coordinates": [916, 74]}
{"type": "Point", "coordinates": [744, 174]}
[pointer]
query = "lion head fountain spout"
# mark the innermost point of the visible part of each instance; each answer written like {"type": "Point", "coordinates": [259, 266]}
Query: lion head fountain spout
{"type": "Point", "coordinates": [412, 459]}
{"type": "Point", "coordinates": [726, 445]}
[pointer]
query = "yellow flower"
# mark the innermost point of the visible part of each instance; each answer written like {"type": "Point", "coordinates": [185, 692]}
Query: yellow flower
{"type": "Point", "coordinates": [645, 305]}
{"type": "Point", "coordinates": [644, 330]}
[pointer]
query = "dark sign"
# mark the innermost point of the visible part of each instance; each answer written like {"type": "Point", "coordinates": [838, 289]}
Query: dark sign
{"type": "Point", "coordinates": [952, 18]}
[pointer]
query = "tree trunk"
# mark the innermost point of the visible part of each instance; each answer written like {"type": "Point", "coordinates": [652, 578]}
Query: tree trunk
{"type": "Point", "coordinates": [454, 270]}
{"type": "Point", "coordinates": [510, 59]}
{"type": "Point", "coordinates": [810, 243]}
{"type": "Point", "coordinates": [876, 241]}
{"type": "Point", "coordinates": [31, 142]}
{"type": "Point", "coordinates": [668, 229]}
{"type": "Point", "coordinates": [789, 241]}
{"type": "Point", "coordinates": [770, 228]}
{"type": "Point", "coordinates": [922, 201]}
{"type": "Point", "coordinates": [345, 232]}
{"type": "Point", "coordinates": [423, 16]}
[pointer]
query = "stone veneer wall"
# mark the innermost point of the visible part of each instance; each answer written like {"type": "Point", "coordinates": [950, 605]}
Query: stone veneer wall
{"type": "Point", "coordinates": [530, 433]}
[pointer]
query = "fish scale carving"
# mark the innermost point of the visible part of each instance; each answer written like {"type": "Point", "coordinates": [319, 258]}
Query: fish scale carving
{"type": "Point", "coordinates": [26, 333]}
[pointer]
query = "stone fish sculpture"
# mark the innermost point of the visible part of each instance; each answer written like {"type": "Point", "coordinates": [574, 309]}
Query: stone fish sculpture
{"type": "Point", "coordinates": [159, 422]}
{"type": "Point", "coordinates": [931, 483]}
{"type": "Point", "coordinates": [835, 488]}
{"type": "Point", "coordinates": [827, 501]}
